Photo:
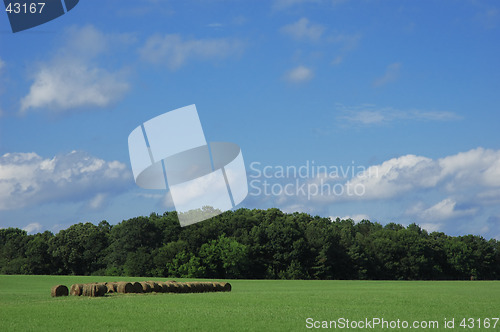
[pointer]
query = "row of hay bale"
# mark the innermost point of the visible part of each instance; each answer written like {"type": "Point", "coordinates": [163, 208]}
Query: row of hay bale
{"type": "Point", "coordinates": [101, 289]}
{"type": "Point", "coordinates": [59, 290]}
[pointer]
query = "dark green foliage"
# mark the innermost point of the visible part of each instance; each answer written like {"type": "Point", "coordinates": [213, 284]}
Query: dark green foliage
{"type": "Point", "coordinates": [80, 249]}
{"type": "Point", "coordinates": [251, 244]}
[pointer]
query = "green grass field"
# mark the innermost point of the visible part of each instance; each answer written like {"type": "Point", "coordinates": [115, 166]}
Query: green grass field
{"type": "Point", "coordinates": [252, 305]}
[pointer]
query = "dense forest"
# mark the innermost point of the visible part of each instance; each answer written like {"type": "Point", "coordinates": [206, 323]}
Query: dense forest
{"type": "Point", "coordinates": [250, 244]}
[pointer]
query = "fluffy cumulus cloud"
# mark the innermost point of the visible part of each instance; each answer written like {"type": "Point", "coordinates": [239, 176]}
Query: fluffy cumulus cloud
{"type": "Point", "coordinates": [304, 30]}
{"type": "Point", "coordinates": [464, 186]}
{"type": "Point", "coordinates": [299, 74]}
{"type": "Point", "coordinates": [27, 179]}
{"type": "Point", "coordinates": [174, 51]}
{"type": "Point", "coordinates": [33, 227]}
{"type": "Point", "coordinates": [443, 210]}
{"type": "Point", "coordinates": [73, 84]}
{"type": "Point", "coordinates": [473, 172]}
{"type": "Point", "coordinates": [73, 78]}
{"type": "Point", "coordinates": [395, 177]}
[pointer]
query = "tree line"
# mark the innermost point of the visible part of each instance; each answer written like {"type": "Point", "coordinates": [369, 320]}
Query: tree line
{"type": "Point", "coordinates": [251, 244]}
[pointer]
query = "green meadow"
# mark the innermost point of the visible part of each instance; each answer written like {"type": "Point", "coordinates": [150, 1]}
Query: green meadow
{"type": "Point", "coordinates": [252, 305]}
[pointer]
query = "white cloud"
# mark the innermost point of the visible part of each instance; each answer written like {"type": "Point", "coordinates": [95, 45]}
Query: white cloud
{"type": "Point", "coordinates": [354, 217]}
{"type": "Point", "coordinates": [391, 75]}
{"type": "Point", "coordinates": [33, 227]}
{"type": "Point", "coordinates": [366, 117]}
{"type": "Point", "coordinates": [73, 84]}
{"type": "Point", "coordinates": [98, 201]}
{"type": "Point", "coordinates": [174, 51]}
{"type": "Point", "coordinates": [72, 79]}
{"type": "Point", "coordinates": [443, 210]}
{"type": "Point", "coordinates": [477, 167]}
{"type": "Point", "coordinates": [455, 193]}
{"type": "Point", "coordinates": [304, 30]}
{"type": "Point", "coordinates": [394, 177]}
{"type": "Point", "coordinates": [28, 179]}
{"type": "Point", "coordinates": [367, 114]}
{"type": "Point", "coordinates": [489, 197]}
{"type": "Point", "coordinates": [462, 173]}
{"type": "Point", "coordinates": [299, 74]}
{"type": "Point", "coordinates": [431, 227]}
{"type": "Point", "coordinates": [465, 177]}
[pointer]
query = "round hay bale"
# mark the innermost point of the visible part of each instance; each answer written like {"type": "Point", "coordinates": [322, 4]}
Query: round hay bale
{"type": "Point", "coordinates": [100, 289]}
{"type": "Point", "coordinates": [59, 290]}
{"type": "Point", "coordinates": [94, 290]}
{"type": "Point", "coordinates": [146, 288]}
{"type": "Point", "coordinates": [172, 287]}
{"type": "Point", "coordinates": [161, 287]}
{"type": "Point", "coordinates": [124, 287]}
{"type": "Point", "coordinates": [169, 287]}
{"type": "Point", "coordinates": [154, 286]}
{"type": "Point", "coordinates": [178, 287]}
{"type": "Point", "coordinates": [111, 287]}
{"type": "Point", "coordinates": [188, 288]}
{"type": "Point", "coordinates": [218, 287]}
{"type": "Point", "coordinates": [76, 289]}
{"type": "Point", "coordinates": [192, 287]}
{"type": "Point", "coordinates": [226, 287]}
{"type": "Point", "coordinates": [165, 287]}
{"type": "Point", "coordinates": [198, 287]}
{"type": "Point", "coordinates": [88, 290]}
{"type": "Point", "coordinates": [210, 287]}
{"type": "Point", "coordinates": [183, 287]}
{"type": "Point", "coordinates": [201, 287]}
{"type": "Point", "coordinates": [137, 287]}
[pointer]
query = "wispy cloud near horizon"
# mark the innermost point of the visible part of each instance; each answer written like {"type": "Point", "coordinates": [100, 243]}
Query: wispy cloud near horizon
{"type": "Point", "coordinates": [371, 115]}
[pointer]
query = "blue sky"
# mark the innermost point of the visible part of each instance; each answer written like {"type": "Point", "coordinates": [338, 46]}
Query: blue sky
{"type": "Point", "coordinates": [406, 90]}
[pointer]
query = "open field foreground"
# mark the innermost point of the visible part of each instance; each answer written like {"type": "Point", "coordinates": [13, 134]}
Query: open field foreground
{"type": "Point", "coordinates": [252, 305]}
